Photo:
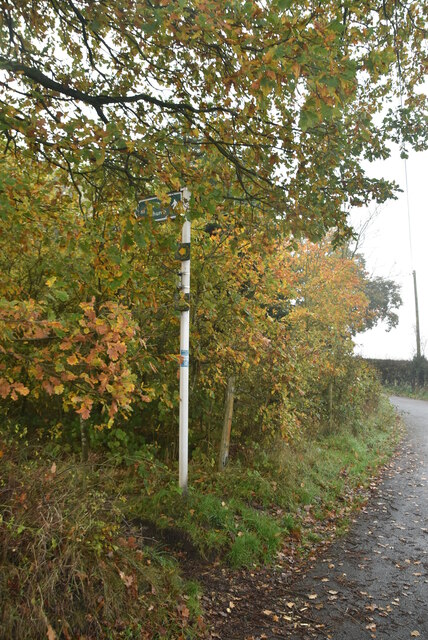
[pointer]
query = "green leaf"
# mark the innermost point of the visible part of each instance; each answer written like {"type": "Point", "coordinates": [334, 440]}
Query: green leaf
{"type": "Point", "coordinates": [140, 238]}
{"type": "Point", "coordinates": [61, 295]}
{"type": "Point", "coordinates": [284, 4]}
{"type": "Point", "coordinates": [308, 119]}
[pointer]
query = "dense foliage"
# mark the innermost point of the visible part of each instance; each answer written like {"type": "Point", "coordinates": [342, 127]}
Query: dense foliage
{"type": "Point", "coordinates": [89, 327]}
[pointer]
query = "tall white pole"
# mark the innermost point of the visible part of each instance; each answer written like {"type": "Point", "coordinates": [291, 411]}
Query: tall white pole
{"type": "Point", "coordinates": [183, 441]}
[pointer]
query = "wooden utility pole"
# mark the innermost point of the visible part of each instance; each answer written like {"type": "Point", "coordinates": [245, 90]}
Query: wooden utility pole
{"type": "Point", "coordinates": [418, 334]}
{"type": "Point", "coordinates": [227, 424]}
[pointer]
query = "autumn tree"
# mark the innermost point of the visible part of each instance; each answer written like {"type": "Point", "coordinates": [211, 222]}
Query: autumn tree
{"type": "Point", "coordinates": [384, 301]}
{"type": "Point", "coordinates": [67, 344]}
{"type": "Point", "coordinates": [272, 103]}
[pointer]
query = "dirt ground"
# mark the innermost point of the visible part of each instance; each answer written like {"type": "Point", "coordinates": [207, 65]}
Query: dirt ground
{"type": "Point", "coordinates": [372, 583]}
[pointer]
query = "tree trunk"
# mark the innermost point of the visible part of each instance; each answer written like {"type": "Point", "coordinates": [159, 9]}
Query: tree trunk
{"type": "Point", "coordinates": [227, 424]}
{"type": "Point", "coordinates": [330, 404]}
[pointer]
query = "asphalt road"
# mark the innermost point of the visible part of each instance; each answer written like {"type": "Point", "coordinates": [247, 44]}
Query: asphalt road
{"type": "Point", "coordinates": [374, 582]}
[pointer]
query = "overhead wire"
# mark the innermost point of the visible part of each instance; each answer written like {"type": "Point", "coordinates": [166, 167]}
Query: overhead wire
{"type": "Point", "coordinates": [409, 223]}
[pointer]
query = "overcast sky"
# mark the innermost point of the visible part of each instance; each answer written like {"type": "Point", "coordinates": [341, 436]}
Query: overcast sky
{"type": "Point", "coordinates": [387, 251]}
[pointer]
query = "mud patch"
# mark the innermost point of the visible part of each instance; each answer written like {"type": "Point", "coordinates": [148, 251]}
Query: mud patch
{"type": "Point", "coordinates": [170, 539]}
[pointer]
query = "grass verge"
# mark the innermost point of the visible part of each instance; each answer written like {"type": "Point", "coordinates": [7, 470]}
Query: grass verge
{"type": "Point", "coordinates": [407, 392]}
{"type": "Point", "coordinates": [294, 490]}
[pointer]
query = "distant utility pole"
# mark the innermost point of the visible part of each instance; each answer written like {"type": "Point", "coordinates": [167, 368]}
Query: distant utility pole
{"type": "Point", "coordinates": [418, 333]}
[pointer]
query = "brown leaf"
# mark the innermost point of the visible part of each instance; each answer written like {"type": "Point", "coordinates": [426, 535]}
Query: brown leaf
{"type": "Point", "coordinates": [183, 611]}
{"type": "Point", "coordinates": [51, 635]}
{"type": "Point", "coordinates": [127, 580]}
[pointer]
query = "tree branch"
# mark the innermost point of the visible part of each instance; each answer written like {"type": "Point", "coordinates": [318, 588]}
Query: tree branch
{"type": "Point", "coordinates": [102, 100]}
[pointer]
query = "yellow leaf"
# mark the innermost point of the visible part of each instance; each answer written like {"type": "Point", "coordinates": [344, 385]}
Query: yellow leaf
{"type": "Point", "coordinates": [50, 282]}
{"type": "Point", "coordinates": [58, 389]}
{"type": "Point", "coordinates": [72, 359]}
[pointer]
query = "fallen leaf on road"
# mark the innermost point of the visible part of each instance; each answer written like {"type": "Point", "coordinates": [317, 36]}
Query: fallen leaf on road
{"type": "Point", "coordinates": [415, 634]}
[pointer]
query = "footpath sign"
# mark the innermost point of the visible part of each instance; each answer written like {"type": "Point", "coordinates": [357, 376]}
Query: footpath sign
{"type": "Point", "coordinates": [152, 207]}
{"type": "Point", "coordinates": [159, 212]}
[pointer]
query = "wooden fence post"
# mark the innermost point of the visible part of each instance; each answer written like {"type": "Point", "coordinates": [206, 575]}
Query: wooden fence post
{"type": "Point", "coordinates": [227, 424]}
{"type": "Point", "coordinates": [84, 440]}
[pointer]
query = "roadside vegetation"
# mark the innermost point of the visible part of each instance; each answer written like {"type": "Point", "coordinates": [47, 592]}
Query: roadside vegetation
{"type": "Point", "coordinates": [407, 391]}
{"type": "Point", "coordinates": [95, 550]}
{"type": "Point", "coordinates": [70, 567]}
{"type": "Point", "coordinates": [266, 113]}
